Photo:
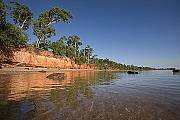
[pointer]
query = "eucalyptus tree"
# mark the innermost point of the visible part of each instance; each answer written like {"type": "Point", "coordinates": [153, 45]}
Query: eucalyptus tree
{"type": "Point", "coordinates": [42, 33]}
{"type": "Point", "coordinates": [88, 52]}
{"type": "Point", "coordinates": [21, 15]}
{"type": "Point", "coordinates": [2, 14]}
{"type": "Point", "coordinates": [63, 46]}
{"type": "Point", "coordinates": [74, 41]}
{"type": "Point", "coordinates": [70, 51]}
{"type": "Point", "coordinates": [81, 59]}
{"type": "Point", "coordinates": [43, 28]}
{"type": "Point", "coordinates": [59, 47]}
{"type": "Point", "coordinates": [11, 37]}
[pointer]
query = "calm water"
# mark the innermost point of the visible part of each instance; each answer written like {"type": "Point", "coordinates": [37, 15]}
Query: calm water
{"type": "Point", "coordinates": [89, 95]}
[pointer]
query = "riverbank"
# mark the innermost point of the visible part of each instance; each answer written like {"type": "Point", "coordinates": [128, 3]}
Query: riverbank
{"type": "Point", "coordinates": [31, 69]}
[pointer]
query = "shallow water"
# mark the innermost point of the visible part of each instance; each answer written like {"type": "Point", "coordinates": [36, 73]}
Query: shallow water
{"type": "Point", "coordinates": [90, 95]}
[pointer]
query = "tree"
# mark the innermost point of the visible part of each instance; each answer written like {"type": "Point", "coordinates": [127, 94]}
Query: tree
{"type": "Point", "coordinates": [11, 37]}
{"type": "Point", "coordinates": [42, 27]}
{"type": "Point", "coordinates": [74, 41]}
{"type": "Point", "coordinates": [88, 52]}
{"type": "Point", "coordinates": [2, 14]}
{"type": "Point", "coordinates": [81, 59]}
{"type": "Point", "coordinates": [21, 15]}
{"type": "Point", "coordinates": [42, 33]}
{"type": "Point", "coordinates": [59, 47]}
{"type": "Point", "coordinates": [70, 51]}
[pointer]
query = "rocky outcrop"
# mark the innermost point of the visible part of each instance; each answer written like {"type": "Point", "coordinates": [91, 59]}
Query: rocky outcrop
{"type": "Point", "coordinates": [46, 59]}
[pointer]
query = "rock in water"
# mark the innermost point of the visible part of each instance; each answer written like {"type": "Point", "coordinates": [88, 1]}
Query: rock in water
{"type": "Point", "coordinates": [56, 76]}
{"type": "Point", "coordinates": [132, 72]}
{"type": "Point", "coordinates": [176, 71]}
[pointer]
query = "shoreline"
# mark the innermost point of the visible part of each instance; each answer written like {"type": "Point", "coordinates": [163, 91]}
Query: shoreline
{"type": "Point", "coordinates": [32, 70]}
{"type": "Point", "coordinates": [43, 70]}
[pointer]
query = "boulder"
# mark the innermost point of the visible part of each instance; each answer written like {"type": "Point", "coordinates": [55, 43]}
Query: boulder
{"type": "Point", "coordinates": [56, 76]}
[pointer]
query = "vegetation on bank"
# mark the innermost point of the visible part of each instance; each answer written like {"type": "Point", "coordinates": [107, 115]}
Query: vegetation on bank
{"type": "Point", "coordinates": [13, 35]}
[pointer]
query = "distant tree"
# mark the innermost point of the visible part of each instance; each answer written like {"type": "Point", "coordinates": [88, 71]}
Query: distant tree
{"type": "Point", "coordinates": [108, 64]}
{"type": "Point", "coordinates": [42, 27]}
{"type": "Point", "coordinates": [21, 15]}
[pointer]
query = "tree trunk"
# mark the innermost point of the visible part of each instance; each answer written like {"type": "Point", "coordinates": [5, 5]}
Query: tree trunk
{"type": "Point", "coordinates": [88, 58]}
{"type": "Point", "coordinates": [37, 43]}
{"type": "Point", "coordinates": [75, 49]}
{"type": "Point", "coordinates": [23, 23]}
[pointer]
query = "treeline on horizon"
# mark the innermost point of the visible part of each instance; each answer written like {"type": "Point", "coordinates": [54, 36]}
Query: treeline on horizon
{"type": "Point", "coordinates": [13, 35]}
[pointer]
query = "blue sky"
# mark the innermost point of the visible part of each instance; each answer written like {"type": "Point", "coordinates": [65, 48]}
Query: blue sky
{"type": "Point", "coordinates": [139, 32]}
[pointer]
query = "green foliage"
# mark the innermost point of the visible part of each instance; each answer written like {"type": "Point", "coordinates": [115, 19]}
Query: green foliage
{"type": "Point", "coordinates": [70, 51]}
{"type": "Point", "coordinates": [22, 15]}
{"type": "Point", "coordinates": [55, 15]}
{"type": "Point", "coordinates": [108, 64]}
{"type": "Point", "coordinates": [69, 47]}
{"type": "Point", "coordinates": [88, 53]}
{"type": "Point", "coordinates": [12, 37]}
{"type": "Point", "coordinates": [43, 33]}
{"type": "Point", "coordinates": [2, 14]}
{"type": "Point", "coordinates": [42, 27]}
{"type": "Point", "coordinates": [81, 59]}
{"type": "Point", "coordinates": [44, 45]}
{"type": "Point", "coordinates": [74, 41]}
{"type": "Point", "coordinates": [59, 47]}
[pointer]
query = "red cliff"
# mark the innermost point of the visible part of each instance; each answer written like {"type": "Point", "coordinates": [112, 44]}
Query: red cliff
{"type": "Point", "coordinates": [46, 59]}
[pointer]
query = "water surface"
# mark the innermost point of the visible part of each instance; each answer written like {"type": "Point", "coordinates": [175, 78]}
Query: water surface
{"type": "Point", "coordinates": [90, 95]}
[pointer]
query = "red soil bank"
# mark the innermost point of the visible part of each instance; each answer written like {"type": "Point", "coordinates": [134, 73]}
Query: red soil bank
{"type": "Point", "coordinates": [46, 59]}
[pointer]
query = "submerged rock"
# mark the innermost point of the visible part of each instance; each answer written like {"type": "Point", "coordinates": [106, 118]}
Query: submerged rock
{"type": "Point", "coordinates": [56, 76]}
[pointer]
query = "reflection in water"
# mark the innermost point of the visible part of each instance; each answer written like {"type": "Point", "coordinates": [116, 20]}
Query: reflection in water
{"type": "Point", "coordinates": [176, 73]}
{"type": "Point", "coordinates": [90, 95]}
{"type": "Point", "coordinates": [35, 95]}
{"type": "Point", "coordinates": [23, 86]}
